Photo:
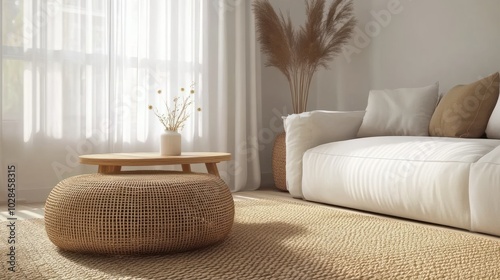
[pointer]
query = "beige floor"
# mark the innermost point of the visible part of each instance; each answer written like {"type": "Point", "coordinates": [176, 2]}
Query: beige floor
{"type": "Point", "coordinates": [23, 212]}
{"type": "Point", "coordinates": [36, 210]}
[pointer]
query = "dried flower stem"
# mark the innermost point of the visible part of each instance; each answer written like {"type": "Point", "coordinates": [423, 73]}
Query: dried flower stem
{"type": "Point", "coordinates": [176, 115]}
{"type": "Point", "coordinates": [299, 54]}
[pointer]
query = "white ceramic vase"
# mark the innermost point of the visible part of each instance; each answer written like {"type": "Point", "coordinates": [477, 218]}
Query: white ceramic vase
{"type": "Point", "coordinates": [170, 143]}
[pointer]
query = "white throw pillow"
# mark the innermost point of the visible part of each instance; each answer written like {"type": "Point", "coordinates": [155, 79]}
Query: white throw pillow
{"type": "Point", "coordinates": [402, 112]}
{"type": "Point", "coordinates": [493, 127]}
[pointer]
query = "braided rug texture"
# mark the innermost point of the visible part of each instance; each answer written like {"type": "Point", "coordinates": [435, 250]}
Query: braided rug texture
{"type": "Point", "coordinates": [277, 239]}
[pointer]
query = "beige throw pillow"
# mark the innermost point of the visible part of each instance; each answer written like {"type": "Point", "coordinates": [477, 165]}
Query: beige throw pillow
{"type": "Point", "coordinates": [493, 127]}
{"type": "Point", "coordinates": [465, 110]}
{"type": "Point", "coordinates": [399, 112]}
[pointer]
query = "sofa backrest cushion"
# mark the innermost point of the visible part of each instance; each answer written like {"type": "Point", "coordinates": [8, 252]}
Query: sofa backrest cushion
{"type": "Point", "coordinates": [399, 112]}
{"type": "Point", "coordinates": [493, 127]}
{"type": "Point", "coordinates": [465, 110]}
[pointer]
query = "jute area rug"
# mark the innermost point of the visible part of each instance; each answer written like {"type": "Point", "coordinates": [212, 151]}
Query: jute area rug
{"type": "Point", "coordinates": [276, 238]}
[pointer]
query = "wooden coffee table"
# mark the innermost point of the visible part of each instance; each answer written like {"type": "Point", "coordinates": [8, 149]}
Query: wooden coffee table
{"type": "Point", "coordinates": [111, 163]}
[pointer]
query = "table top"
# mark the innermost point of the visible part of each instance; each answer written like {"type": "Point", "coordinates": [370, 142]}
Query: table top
{"type": "Point", "coordinates": [144, 159]}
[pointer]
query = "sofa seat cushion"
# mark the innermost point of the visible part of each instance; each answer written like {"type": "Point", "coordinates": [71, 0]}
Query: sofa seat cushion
{"type": "Point", "coordinates": [484, 193]}
{"type": "Point", "coordinates": [421, 178]}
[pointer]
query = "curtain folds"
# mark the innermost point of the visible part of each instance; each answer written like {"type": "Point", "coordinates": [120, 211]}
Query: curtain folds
{"type": "Point", "coordinates": [236, 83]}
{"type": "Point", "coordinates": [78, 77]}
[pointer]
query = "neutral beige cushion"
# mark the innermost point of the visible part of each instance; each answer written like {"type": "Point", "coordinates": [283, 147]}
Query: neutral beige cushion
{"type": "Point", "coordinates": [493, 127]}
{"type": "Point", "coordinates": [465, 110]}
{"type": "Point", "coordinates": [403, 111]}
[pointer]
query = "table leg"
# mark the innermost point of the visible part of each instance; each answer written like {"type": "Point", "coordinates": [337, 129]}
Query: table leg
{"type": "Point", "coordinates": [186, 168]}
{"type": "Point", "coordinates": [108, 169]}
{"type": "Point", "coordinates": [212, 169]}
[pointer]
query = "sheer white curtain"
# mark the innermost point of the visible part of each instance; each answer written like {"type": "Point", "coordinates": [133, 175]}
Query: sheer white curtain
{"type": "Point", "coordinates": [234, 78]}
{"type": "Point", "coordinates": [78, 76]}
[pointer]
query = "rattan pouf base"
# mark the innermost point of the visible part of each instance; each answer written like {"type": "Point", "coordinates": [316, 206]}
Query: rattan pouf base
{"type": "Point", "coordinates": [138, 212]}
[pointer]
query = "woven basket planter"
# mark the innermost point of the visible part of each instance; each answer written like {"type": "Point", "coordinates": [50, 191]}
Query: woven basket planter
{"type": "Point", "coordinates": [139, 213]}
{"type": "Point", "coordinates": [279, 161]}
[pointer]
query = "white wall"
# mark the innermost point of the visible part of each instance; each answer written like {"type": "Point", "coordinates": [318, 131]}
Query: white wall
{"type": "Point", "coordinates": [450, 41]}
{"type": "Point", "coordinates": [399, 43]}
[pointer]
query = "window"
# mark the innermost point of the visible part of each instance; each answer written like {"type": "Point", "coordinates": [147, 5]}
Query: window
{"type": "Point", "coordinates": [70, 66]}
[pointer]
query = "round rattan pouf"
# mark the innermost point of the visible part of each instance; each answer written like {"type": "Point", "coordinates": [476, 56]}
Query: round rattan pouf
{"type": "Point", "coordinates": [138, 213]}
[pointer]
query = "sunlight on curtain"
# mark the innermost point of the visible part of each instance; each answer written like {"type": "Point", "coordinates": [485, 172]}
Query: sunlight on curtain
{"type": "Point", "coordinates": [78, 76]}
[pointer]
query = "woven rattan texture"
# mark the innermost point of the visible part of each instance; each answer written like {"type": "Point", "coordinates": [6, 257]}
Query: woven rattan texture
{"type": "Point", "coordinates": [138, 212]}
{"type": "Point", "coordinates": [279, 161]}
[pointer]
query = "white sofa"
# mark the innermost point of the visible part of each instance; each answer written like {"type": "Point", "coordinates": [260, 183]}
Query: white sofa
{"type": "Point", "coordinates": [362, 160]}
{"type": "Point", "coordinates": [448, 181]}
